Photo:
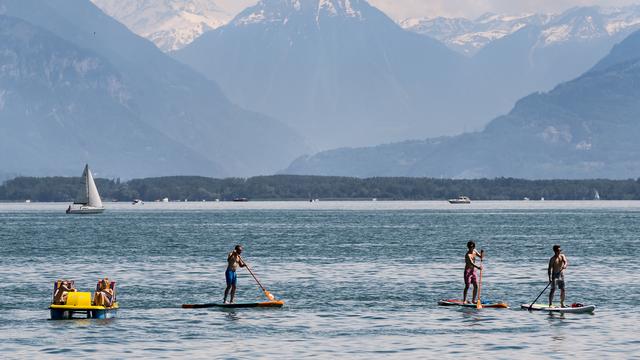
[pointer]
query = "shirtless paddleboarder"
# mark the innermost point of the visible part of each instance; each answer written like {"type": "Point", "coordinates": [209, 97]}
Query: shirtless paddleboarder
{"type": "Point", "coordinates": [233, 262]}
{"type": "Point", "coordinates": [557, 264]}
{"type": "Point", "coordinates": [470, 270]}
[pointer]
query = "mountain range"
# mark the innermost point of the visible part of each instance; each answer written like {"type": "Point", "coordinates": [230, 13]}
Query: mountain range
{"type": "Point", "coordinates": [87, 89]}
{"type": "Point", "coordinates": [538, 57]}
{"type": "Point", "coordinates": [469, 36]}
{"type": "Point", "coordinates": [169, 24]}
{"type": "Point", "coordinates": [61, 129]}
{"type": "Point", "coordinates": [338, 71]}
{"type": "Point", "coordinates": [342, 73]}
{"type": "Point", "coordinates": [78, 86]}
{"type": "Point", "coordinates": [584, 128]}
{"type": "Point", "coordinates": [578, 24]}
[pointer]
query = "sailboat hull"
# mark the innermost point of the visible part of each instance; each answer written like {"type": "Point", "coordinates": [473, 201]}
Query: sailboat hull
{"type": "Point", "coordinates": [86, 210]}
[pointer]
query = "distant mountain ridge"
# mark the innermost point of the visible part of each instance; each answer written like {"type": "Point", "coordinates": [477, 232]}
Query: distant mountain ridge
{"type": "Point", "coordinates": [167, 97]}
{"type": "Point", "coordinates": [512, 56]}
{"type": "Point", "coordinates": [169, 24]}
{"type": "Point", "coordinates": [275, 11]}
{"type": "Point", "coordinates": [330, 69]}
{"type": "Point", "coordinates": [339, 71]}
{"type": "Point", "coordinates": [58, 132]}
{"type": "Point", "coordinates": [623, 53]}
{"type": "Point", "coordinates": [344, 74]}
{"type": "Point", "coordinates": [585, 128]}
{"type": "Point", "coordinates": [470, 36]}
{"type": "Point", "coordinates": [539, 57]}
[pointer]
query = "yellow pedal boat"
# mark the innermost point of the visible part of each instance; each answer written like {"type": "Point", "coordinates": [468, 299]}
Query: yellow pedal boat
{"type": "Point", "coordinates": [80, 303]}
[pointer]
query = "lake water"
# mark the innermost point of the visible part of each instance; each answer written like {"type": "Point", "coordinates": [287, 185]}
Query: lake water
{"type": "Point", "coordinates": [360, 279]}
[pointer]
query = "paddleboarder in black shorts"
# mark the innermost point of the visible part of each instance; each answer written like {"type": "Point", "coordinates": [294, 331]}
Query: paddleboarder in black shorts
{"type": "Point", "coordinates": [557, 264]}
{"type": "Point", "coordinates": [234, 261]}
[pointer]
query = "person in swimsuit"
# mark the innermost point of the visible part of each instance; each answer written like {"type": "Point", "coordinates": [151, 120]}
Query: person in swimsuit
{"type": "Point", "coordinates": [233, 262]}
{"type": "Point", "coordinates": [60, 297]}
{"type": "Point", "coordinates": [104, 294]}
{"type": "Point", "coordinates": [470, 271]}
{"type": "Point", "coordinates": [557, 264]}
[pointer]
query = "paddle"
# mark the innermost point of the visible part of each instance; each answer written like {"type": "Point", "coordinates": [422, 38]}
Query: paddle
{"type": "Point", "coordinates": [266, 293]}
{"type": "Point", "coordinates": [478, 302]}
{"type": "Point", "coordinates": [542, 292]}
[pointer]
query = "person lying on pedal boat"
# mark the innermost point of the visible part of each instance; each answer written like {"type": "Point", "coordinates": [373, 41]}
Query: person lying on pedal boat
{"type": "Point", "coordinates": [469, 271]}
{"type": "Point", "coordinates": [557, 264]}
{"type": "Point", "coordinates": [233, 262]}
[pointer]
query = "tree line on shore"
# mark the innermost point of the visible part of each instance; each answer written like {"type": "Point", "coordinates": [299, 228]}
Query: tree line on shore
{"type": "Point", "coordinates": [288, 187]}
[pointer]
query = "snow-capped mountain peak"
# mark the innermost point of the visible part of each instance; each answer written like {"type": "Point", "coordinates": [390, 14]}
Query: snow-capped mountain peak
{"type": "Point", "coordinates": [267, 11]}
{"type": "Point", "coordinates": [327, 5]}
{"type": "Point", "coordinates": [340, 7]}
{"type": "Point", "coordinates": [588, 23]}
{"type": "Point", "coordinates": [621, 19]}
{"type": "Point", "coordinates": [170, 24]}
{"type": "Point", "coordinates": [577, 24]}
{"type": "Point", "coordinates": [469, 36]}
{"type": "Point", "coordinates": [280, 11]}
{"type": "Point", "coordinates": [491, 18]}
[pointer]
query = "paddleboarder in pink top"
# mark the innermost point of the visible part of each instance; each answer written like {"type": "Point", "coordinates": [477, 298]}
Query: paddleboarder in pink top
{"type": "Point", "coordinates": [470, 271]}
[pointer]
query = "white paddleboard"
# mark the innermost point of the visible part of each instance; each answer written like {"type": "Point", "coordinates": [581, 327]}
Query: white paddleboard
{"type": "Point", "coordinates": [558, 309]}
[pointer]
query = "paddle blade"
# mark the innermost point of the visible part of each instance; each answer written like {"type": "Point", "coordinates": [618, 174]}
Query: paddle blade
{"type": "Point", "coordinates": [269, 296]}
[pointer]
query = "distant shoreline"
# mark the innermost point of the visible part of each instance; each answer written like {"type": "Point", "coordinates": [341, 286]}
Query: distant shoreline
{"type": "Point", "coordinates": [438, 206]}
{"type": "Point", "coordinates": [308, 188]}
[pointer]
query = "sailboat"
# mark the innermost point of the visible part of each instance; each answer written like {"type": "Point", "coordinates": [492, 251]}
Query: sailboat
{"type": "Point", "coordinates": [91, 202]}
{"type": "Point", "coordinates": [596, 196]}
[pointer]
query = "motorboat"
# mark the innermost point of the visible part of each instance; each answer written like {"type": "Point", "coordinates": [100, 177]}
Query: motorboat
{"type": "Point", "coordinates": [460, 200]}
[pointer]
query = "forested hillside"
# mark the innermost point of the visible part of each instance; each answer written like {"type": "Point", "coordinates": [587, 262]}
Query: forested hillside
{"type": "Point", "coordinates": [289, 187]}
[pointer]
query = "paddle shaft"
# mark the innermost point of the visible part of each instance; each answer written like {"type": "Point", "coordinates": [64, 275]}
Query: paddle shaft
{"type": "Point", "coordinates": [478, 302]}
{"type": "Point", "coordinates": [252, 274]}
{"type": "Point", "coordinates": [536, 299]}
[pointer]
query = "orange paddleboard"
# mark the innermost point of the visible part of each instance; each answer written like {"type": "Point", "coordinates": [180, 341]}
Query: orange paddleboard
{"type": "Point", "coordinates": [266, 304]}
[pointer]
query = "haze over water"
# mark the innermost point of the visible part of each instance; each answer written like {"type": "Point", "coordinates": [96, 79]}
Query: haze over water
{"type": "Point", "coordinates": [360, 279]}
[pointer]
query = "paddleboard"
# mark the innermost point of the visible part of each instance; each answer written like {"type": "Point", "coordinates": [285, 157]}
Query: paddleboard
{"type": "Point", "coordinates": [266, 304]}
{"type": "Point", "coordinates": [555, 308]}
{"type": "Point", "coordinates": [485, 304]}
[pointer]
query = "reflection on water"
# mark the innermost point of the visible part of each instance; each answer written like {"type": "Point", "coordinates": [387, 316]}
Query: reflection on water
{"type": "Point", "coordinates": [231, 316]}
{"type": "Point", "coordinates": [360, 280]}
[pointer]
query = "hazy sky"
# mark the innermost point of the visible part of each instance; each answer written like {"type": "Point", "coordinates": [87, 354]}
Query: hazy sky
{"type": "Point", "coordinates": [401, 9]}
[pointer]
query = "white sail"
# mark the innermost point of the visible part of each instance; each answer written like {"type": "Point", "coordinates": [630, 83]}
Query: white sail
{"type": "Point", "coordinates": [93, 198]}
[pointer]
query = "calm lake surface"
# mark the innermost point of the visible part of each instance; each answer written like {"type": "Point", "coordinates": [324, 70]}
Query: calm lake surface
{"type": "Point", "coordinates": [360, 279]}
